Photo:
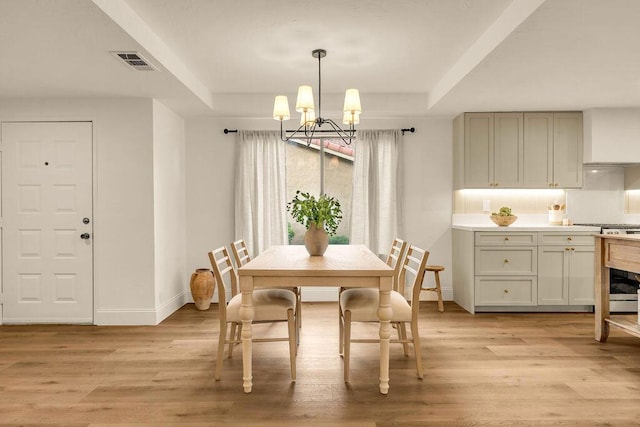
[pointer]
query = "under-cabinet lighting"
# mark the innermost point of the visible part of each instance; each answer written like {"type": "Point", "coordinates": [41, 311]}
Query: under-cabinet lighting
{"type": "Point", "coordinates": [512, 192]}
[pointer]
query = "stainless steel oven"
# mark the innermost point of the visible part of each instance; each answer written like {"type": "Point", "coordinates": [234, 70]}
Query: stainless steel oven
{"type": "Point", "coordinates": [623, 290]}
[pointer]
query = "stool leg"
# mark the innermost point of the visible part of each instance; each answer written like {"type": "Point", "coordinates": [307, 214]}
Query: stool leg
{"type": "Point", "coordinates": [439, 292]}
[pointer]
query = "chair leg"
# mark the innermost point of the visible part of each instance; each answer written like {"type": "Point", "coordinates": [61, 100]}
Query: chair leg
{"type": "Point", "coordinates": [416, 347]}
{"type": "Point", "coordinates": [340, 331]}
{"type": "Point", "coordinates": [402, 334]}
{"type": "Point", "coordinates": [221, 341]}
{"type": "Point", "coordinates": [232, 337]}
{"type": "Point", "coordinates": [347, 344]}
{"type": "Point", "coordinates": [293, 345]}
{"type": "Point", "coordinates": [298, 308]}
{"type": "Point", "coordinates": [439, 292]}
{"type": "Point", "coordinates": [297, 331]}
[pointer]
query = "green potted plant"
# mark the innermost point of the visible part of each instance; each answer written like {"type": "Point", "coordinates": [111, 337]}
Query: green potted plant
{"type": "Point", "coordinates": [320, 217]}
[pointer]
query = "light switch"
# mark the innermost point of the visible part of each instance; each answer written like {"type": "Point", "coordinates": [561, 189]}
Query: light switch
{"type": "Point", "coordinates": [486, 206]}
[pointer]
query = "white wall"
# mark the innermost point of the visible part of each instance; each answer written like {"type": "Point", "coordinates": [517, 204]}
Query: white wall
{"type": "Point", "coordinates": [169, 211]}
{"type": "Point", "coordinates": [123, 229]}
{"type": "Point", "coordinates": [427, 200]}
{"type": "Point", "coordinates": [210, 177]}
{"type": "Point", "coordinates": [428, 193]}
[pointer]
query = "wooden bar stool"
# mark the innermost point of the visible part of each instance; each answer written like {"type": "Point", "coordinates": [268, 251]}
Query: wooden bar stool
{"type": "Point", "coordinates": [436, 269]}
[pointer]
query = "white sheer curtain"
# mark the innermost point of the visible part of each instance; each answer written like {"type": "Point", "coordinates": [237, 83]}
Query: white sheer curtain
{"type": "Point", "coordinates": [260, 192]}
{"type": "Point", "coordinates": [376, 209]}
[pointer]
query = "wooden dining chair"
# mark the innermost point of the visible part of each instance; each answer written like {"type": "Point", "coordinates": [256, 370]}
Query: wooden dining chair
{"type": "Point", "coordinates": [361, 305]}
{"type": "Point", "coordinates": [394, 260]}
{"type": "Point", "coordinates": [269, 305]}
{"type": "Point", "coordinates": [241, 256]}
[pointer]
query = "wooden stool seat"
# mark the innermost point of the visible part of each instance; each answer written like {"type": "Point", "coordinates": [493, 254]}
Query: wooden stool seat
{"type": "Point", "coordinates": [436, 269]}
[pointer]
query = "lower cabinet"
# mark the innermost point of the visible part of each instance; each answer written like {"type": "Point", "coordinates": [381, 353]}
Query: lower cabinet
{"type": "Point", "coordinates": [565, 275]}
{"type": "Point", "coordinates": [505, 290]}
{"type": "Point", "coordinates": [523, 271]}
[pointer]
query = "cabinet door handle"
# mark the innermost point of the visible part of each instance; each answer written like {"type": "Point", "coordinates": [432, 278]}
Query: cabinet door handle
{"type": "Point", "coordinates": [573, 249]}
{"type": "Point", "coordinates": [506, 238]}
{"type": "Point", "coordinates": [569, 238]}
{"type": "Point", "coordinates": [506, 291]}
{"type": "Point", "coordinates": [566, 249]}
{"type": "Point", "coordinates": [506, 261]}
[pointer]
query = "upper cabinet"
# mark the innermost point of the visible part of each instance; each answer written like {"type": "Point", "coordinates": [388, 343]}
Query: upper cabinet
{"type": "Point", "coordinates": [518, 150]}
{"type": "Point", "coordinates": [493, 150]}
{"type": "Point", "coordinates": [567, 150]}
{"type": "Point", "coordinates": [538, 150]}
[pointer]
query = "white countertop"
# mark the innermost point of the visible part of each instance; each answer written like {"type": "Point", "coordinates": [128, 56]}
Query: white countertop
{"type": "Point", "coordinates": [526, 227]}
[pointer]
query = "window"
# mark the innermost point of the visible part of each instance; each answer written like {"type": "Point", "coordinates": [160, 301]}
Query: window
{"type": "Point", "coordinates": [303, 173]}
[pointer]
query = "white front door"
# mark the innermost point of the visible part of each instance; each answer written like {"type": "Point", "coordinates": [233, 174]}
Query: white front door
{"type": "Point", "coordinates": [47, 217]}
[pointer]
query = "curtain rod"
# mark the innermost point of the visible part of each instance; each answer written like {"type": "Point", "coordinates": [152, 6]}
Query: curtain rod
{"type": "Point", "coordinates": [412, 130]}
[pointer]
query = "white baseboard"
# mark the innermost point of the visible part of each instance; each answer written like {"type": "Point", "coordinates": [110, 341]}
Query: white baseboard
{"type": "Point", "coordinates": [126, 317]}
{"type": "Point", "coordinates": [171, 306]}
{"type": "Point", "coordinates": [51, 321]}
{"type": "Point", "coordinates": [140, 317]}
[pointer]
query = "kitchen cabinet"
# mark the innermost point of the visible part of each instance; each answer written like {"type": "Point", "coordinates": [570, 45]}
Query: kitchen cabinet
{"type": "Point", "coordinates": [565, 271]}
{"type": "Point", "coordinates": [493, 150]}
{"type": "Point", "coordinates": [567, 150]}
{"type": "Point", "coordinates": [505, 270]}
{"type": "Point", "coordinates": [538, 150]}
{"type": "Point", "coordinates": [506, 265]}
{"type": "Point", "coordinates": [518, 150]}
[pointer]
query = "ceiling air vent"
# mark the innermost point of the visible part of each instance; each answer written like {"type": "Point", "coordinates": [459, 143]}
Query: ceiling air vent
{"type": "Point", "coordinates": [135, 61]}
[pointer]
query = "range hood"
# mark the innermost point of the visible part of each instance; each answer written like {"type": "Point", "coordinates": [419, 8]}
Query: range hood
{"type": "Point", "coordinates": [611, 136]}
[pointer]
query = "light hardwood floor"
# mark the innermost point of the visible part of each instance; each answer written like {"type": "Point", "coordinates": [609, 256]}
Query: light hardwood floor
{"type": "Point", "coordinates": [480, 370]}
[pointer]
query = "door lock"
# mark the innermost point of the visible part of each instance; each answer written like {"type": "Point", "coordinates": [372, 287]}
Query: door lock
{"type": "Point", "coordinates": [85, 236]}
{"type": "Point", "coordinates": [85, 220]}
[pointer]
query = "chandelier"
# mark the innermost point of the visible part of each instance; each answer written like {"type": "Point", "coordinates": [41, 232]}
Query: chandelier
{"type": "Point", "coordinates": [309, 121]}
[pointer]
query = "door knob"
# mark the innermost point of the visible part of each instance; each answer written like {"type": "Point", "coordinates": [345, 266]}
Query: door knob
{"type": "Point", "coordinates": [85, 236]}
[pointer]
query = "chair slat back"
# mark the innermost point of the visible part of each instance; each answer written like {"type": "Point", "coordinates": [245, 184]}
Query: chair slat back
{"type": "Point", "coordinates": [395, 258]}
{"type": "Point", "coordinates": [223, 267]}
{"type": "Point", "coordinates": [415, 264]}
{"type": "Point", "coordinates": [240, 252]}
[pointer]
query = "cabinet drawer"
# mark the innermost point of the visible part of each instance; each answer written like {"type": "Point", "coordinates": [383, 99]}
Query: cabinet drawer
{"type": "Point", "coordinates": [484, 238]}
{"type": "Point", "coordinates": [511, 261]}
{"type": "Point", "coordinates": [516, 290]}
{"type": "Point", "coordinates": [552, 238]}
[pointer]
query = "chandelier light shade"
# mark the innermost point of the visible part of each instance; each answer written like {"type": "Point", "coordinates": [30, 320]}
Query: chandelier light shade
{"type": "Point", "coordinates": [281, 108]}
{"type": "Point", "coordinates": [305, 99]}
{"type": "Point", "coordinates": [309, 121]}
{"type": "Point", "coordinates": [352, 101]}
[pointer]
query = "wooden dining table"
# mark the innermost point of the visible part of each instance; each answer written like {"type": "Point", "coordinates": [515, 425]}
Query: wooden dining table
{"type": "Point", "coordinates": [350, 266]}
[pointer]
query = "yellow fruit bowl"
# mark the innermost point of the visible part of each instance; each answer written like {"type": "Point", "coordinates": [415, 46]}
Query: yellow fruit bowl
{"type": "Point", "coordinates": [503, 221]}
